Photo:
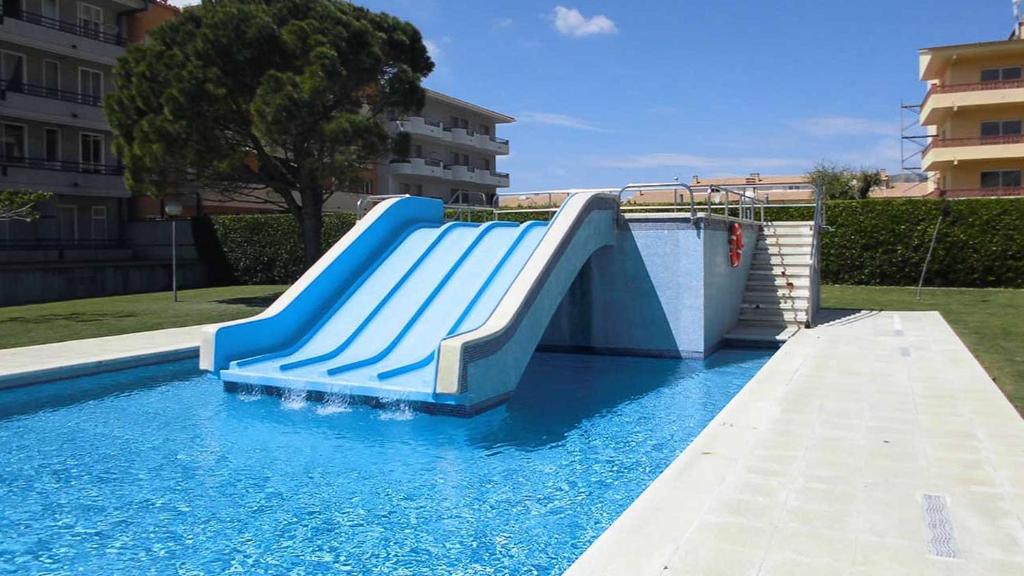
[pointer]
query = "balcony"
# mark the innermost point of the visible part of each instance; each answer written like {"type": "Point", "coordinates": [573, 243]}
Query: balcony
{"type": "Point", "coordinates": [418, 126]}
{"type": "Point", "coordinates": [943, 99]}
{"type": "Point", "coordinates": [998, 192]}
{"type": "Point", "coordinates": [946, 151]}
{"type": "Point", "coordinates": [455, 172]}
{"type": "Point", "coordinates": [67, 38]}
{"type": "Point", "coordinates": [34, 102]}
{"type": "Point", "coordinates": [63, 177]}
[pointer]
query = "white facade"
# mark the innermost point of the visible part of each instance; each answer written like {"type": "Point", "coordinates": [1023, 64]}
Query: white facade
{"type": "Point", "coordinates": [453, 153]}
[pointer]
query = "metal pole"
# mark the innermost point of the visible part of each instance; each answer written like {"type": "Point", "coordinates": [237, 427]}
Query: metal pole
{"type": "Point", "coordinates": [928, 258]}
{"type": "Point", "coordinates": [174, 260]}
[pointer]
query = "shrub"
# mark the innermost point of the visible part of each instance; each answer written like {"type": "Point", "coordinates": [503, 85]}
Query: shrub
{"type": "Point", "coordinates": [265, 248]}
{"type": "Point", "coordinates": [872, 242]}
{"type": "Point", "coordinates": [885, 242]}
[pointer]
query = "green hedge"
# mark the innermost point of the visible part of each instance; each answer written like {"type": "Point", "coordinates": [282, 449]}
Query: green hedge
{"type": "Point", "coordinates": [265, 248]}
{"type": "Point", "coordinates": [872, 242]}
{"type": "Point", "coordinates": [885, 241]}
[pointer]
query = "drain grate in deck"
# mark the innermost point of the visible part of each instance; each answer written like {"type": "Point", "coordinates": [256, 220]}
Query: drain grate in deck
{"type": "Point", "coordinates": [941, 538]}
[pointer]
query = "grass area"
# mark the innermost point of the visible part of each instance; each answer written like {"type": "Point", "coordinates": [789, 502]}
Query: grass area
{"type": "Point", "coordinates": [989, 321]}
{"type": "Point", "coordinates": [93, 317]}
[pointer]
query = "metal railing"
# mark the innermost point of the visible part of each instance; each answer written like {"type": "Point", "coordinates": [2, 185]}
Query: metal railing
{"type": "Point", "coordinates": [93, 32]}
{"type": "Point", "coordinates": [47, 92]}
{"type": "Point", "coordinates": [814, 291]}
{"type": "Point", "coordinates": [61, 165]}
{"type": "Point", "coordinates": [438, 124]}
{"type": "Point", "coordinates": [971, 87]}
{"type": "Point", "coordinates": [972, 141]}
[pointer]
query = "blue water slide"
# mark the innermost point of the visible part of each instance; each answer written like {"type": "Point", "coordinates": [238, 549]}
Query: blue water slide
{"type": "Point", "coordinates": [371, 317]}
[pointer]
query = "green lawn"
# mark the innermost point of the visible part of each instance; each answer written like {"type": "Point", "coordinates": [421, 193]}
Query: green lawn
{"type": "Point", "coordinates": [990, 322]}
{"type": "Point", "coordinates": [92, 317]}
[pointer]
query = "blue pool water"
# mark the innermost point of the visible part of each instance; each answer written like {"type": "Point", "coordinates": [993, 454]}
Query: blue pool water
{"type": "Point", "coordinates": [158, 471]}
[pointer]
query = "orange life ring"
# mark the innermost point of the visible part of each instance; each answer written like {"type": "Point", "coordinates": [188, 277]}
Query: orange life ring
{"type": "Point", "coordinates": [735, 244]}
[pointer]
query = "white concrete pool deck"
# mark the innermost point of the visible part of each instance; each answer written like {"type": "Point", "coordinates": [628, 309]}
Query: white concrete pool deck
{"type": "Point", "coordinates": [819, 464]}
{"type": "Point", "coordinates": [31, 364]}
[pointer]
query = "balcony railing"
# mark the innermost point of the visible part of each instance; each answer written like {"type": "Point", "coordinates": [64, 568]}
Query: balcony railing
{"type": "Point", "coordinates": [497, 174]}
{"type": "Point", "coordinates": [974, 141]}
{"type": "Point", "coordinates": [92, 32]}
{"type": "Point", "coordinates": [439, 124]}
{"type": "Point", "coordinates": [46, 92]}
{"type": "Point", "coordinates": [972, 87]}
{"type": "Point", "coordinates": [61, 165]}
{"type": "Point", "coordinates": [998, 191]}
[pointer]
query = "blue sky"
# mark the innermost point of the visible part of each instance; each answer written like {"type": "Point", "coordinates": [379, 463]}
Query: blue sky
{"type": "Point", "coordinates": [608, 92]}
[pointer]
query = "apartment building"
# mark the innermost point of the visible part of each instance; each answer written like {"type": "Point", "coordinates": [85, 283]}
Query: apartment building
{"type": "Point", "coordinates": [974, 111]}
{"type": "Point", "coordinates": [453, 153]}
{"type": "Point", "coordinates": [56, 61]}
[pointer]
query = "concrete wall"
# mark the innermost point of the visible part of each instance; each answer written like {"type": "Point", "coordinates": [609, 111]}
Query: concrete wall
{"type": "Point", "coordinates": [34, 283]}
{"type": "Point", "coordinates": [665, 288]}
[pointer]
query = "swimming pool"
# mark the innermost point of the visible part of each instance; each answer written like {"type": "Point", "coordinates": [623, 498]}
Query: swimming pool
{"type": "Point", "coordinates": [156, 470]}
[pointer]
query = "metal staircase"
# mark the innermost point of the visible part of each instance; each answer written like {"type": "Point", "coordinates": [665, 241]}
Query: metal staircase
{"type": "Point", "coordinates": [778, 296]}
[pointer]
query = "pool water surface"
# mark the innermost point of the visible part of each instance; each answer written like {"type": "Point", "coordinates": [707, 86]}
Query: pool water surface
{"type": "Point", "coordinates": [157, 470]}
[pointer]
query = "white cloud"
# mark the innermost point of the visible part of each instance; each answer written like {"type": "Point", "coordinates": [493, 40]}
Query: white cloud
{"type": "Point", "coordinates": [678, 160]}
{"type": "Point", "coordinates": [562, 120]}
{"type": "Point", "coordinates": [184, 3]}
{"type": "Point", "coordinates": [570, 22]}
{"type": "Point", "coordinates": [830, 126]}
{"type": "Point", "coordinates": [504, 23]}
{"type": "Point", "coordinates": [433, 49]}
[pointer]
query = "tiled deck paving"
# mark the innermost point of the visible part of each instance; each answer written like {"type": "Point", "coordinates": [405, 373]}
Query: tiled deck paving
{"type": "Point", "coordinates": [30, 364]}
{"type": "Point", "coordinates": [819, 466]}
{"type": "Point", "coordinates": [816, 467]}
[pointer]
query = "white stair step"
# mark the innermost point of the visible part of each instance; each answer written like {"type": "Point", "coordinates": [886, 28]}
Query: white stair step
{"type": "Point", "coordinates": [781, 269]}
{"type": "Point", "coordinates": [761, 279]}
{"type": "Point", "coordinates": [764, 256]}
{"type": "Point", "coordinates": [772, 291]}
{"type": "Point", "coordinates": [785, 240]}
{"type": "Point", "coordinates": [771, 230]}
{"type": "Point", "coordinates": [791, 223]}
{"type": "Point", "coordinates": [761, 333]}
{"type": "Point", "coordinates": [785, 304]}
{"type": "Point", "coordinates": [783, 250]}
{"type": "Point", "coordinates": [763, 315]}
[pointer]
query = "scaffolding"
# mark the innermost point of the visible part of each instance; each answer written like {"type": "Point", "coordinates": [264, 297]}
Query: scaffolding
{"type": "Point", "coordinates": [913, 138]}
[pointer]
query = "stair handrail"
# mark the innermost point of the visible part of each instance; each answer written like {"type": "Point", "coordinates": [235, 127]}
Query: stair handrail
{"type": "Point", "coordinates": [364, 204]}
{"type": "Point", "coordinates": [819, 226]}
{"type": "Point", "coordinates": [675, 185]}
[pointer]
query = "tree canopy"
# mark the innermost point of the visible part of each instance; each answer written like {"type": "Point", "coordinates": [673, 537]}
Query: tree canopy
{"type": "Point", "coordinates": [21, 204]}
{"type": "Point", "coordinates": [246, 97]}
{"type": "Point", "coordinates": [843, 183]}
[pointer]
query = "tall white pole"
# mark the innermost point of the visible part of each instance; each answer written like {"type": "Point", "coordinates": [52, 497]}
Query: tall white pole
{"type": "Point", "coordinates": [174, 259]}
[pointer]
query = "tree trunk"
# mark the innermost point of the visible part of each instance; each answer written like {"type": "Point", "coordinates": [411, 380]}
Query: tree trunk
{"type": "Point", "coordinates": [311, 227]}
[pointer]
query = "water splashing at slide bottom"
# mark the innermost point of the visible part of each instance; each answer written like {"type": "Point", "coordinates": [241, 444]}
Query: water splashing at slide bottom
{"type": "Point", "coordinates": [334, 404]}
{"type": "Point", "coordinates": [294, 399]}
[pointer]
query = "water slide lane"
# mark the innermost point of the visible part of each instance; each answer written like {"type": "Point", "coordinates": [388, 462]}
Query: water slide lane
{"type": "Point", "coordinates": [450, 293]}
{"type": "Point", "coordinates": [415, 365]}
{"type": "Point", "coordinates": [397, 261]}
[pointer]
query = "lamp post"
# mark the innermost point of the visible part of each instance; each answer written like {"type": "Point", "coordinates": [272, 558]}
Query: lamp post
{"type": "Point", "coordinates": [172, 208]}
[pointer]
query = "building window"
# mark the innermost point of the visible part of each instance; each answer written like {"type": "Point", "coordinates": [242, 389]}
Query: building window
{"type": "Point", "coordinates": [90, 85]}
{"type": "Point", "coordinates": [1001, 179]}
{"type": "Point", "coordinates": [91, 151]}
{"type": "Point", "coordinates": [419, 189]}
{"type": "Point", "coordinates": [99, 222]}
{"type": "Point", "coordinates": [14, 141]}
{"type": "Point", "coordinates": [460, 123]}
{"type": "Point", "coordinates": [1000, 128]}
{"type": "Point", "coordinates": [51, 77]}
{"type": "Point", "coordinates": [485, 130]}
{"type": "Point", "coordinates": [367, 187]}
{"type": "Point", "coordinates": [405, 188]}
{"type": "Point", "coordinates": [51, 145]}
{"type": "Point", "coordinates": [12, 68]}
{"type": "Point", "coordinates": [51, 9]}
{"type": "Point", "coordinates": [997, 74]}
{"type": "Point", "coordinates": [90, 18]}
{"type": "Point", "coordinates": [67, 223]}
{"type": "Point", "coordinates": [417, 151]}
{"type": "Point", "coordinates": [487, 164]}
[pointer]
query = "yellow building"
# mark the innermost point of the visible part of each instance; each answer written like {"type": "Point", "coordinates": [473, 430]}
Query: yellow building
{"type": "Point", "coordinates": [974, 111]}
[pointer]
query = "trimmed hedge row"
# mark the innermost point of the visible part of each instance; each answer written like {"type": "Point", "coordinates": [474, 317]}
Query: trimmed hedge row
{"type": "Point", "coordinates": [872, 242]}
{"type": "Point", "coordinates": [265, 248]}
{"type": "Point", "coordinates": [885, 242]}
